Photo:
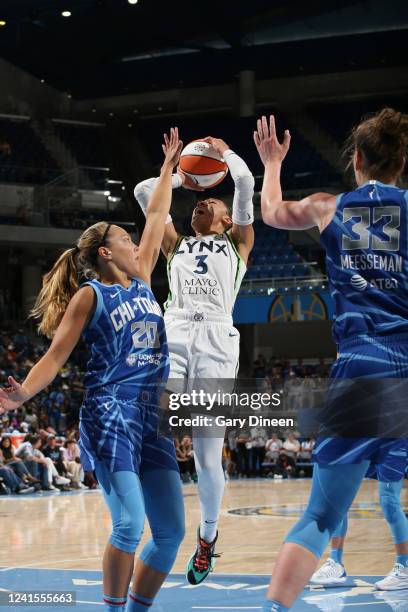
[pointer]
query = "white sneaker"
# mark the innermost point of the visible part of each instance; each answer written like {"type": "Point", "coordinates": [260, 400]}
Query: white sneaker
{"type": "Point", "coordinates": [330, 574]}
{"type": "Point", "coordinates": [395, 580]}
{"type": "Point", "coordinates": [81, 485]}
{"type": "Point", "coordinates": [61, 480]}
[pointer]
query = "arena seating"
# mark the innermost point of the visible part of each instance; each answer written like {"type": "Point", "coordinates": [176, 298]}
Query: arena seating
{"type": "Point", "coordinates": [28, 161]}
{"type": "Point", "coordinates": [88, 143]}
{"type": "Point", "coordinates": [303, 166]}
{"type": "Point", "coordinates": [273, 256]}
{"type": "Point", "coordinates": [337, 119]}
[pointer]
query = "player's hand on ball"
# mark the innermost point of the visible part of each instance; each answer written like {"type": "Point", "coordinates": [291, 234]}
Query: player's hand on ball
{"type": "Point", "coordinates": [187, 182]}
{"type": "Point", "coordinates": [172, 148]}
{"type": "Point", "coordinates": [267, 143]}
{"type": "Point", "coordinates": [13, 396]}
{"type": "Point", "coordinates": [219, 145]}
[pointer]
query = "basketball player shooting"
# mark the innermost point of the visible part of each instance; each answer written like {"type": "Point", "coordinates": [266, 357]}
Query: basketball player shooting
{"type": "Point", "coordinates": [205, 272]}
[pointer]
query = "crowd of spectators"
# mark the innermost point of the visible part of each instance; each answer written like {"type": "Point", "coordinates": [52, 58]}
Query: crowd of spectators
{"type": "Point", "coordinates": [38, 442]}
{"type": "Point", "coordinates": [252, 453]}
{"type": "Point", "coordinates": [283, 369]}
{"type": "Point", "coordinates": [299, 385]}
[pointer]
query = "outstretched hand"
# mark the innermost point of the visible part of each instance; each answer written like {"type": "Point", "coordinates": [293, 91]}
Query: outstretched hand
{"type": "Point", "coordinates": [172, 148]}
{"type": "Point", "coordinates": [267, 143]}
{"type": "Point", "coordinates": [13, 396]}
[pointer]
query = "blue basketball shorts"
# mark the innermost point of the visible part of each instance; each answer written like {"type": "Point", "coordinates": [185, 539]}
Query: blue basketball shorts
{"type": "Point", "coordinates": [366, 408]}
{"type": "Point", "coordinates": [123, 432]}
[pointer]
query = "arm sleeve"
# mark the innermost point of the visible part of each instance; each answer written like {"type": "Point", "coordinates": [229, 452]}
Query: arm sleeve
{"type": "Point", "coordinates": [242, 206]}
{"type": "Point", "coordinates": [143, 191]}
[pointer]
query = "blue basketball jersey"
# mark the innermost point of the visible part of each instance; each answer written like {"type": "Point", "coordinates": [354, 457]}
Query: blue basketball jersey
{"type": "Point", "coordinates": [366, 255]}
{"type": "Point", "coordinates": [126, 338]}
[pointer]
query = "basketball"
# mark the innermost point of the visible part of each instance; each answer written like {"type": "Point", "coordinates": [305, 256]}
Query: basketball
{"type": "Point", "coordinates": [203, 164]}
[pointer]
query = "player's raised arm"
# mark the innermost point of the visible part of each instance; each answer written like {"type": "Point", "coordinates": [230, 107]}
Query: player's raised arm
{"type": "Point", "coordinates": [158, 207]}
{"type": "Point", "coordinates": [314, 210]}
{"type": "Point", "coordinates": [142, 192]}
{"type": "Point", "coordinates": [46, 369]}
{"type": "Point", "coordinates": [242, 231]}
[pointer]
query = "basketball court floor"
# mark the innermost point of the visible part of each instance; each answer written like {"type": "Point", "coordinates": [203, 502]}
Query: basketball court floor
{"type": "Point", "coordinates": [54, 542]}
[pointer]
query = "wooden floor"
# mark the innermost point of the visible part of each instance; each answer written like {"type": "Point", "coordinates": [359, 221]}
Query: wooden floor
{"type": "Point", "coordinates": [70, 530]}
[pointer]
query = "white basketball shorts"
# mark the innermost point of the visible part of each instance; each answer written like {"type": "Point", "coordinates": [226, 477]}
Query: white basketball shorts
{"type": "Point", "coordinates": [201, 346]}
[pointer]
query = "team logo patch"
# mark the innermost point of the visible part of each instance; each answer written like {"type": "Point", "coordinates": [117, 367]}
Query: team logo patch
{"type": "Point", "coordinates": [358, 282]}
{"type": "Point", "coordinates": [131, 360]}
{"type": "Point", "coordinates": [363, 510]}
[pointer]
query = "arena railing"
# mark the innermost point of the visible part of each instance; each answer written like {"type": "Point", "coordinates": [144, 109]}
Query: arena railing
{"type": "Point", "coordinates": [297, 283]}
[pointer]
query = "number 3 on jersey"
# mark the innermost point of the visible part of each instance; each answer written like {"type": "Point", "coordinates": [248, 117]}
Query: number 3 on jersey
{"type": "Point", "coordinates": [144, 334]}
{"type": "Point", "coordinates": [202, 267]}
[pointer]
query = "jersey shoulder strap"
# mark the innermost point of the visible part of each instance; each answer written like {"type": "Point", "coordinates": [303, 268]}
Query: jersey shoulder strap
{"type": "Point", "coordinates": [171, 254]}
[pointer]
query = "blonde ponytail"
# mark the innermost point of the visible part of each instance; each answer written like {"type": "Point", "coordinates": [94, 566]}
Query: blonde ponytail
{"type": "Point", "coordinates": [62, 281]}
{"type": "Point", "coordinates": [59, 285]}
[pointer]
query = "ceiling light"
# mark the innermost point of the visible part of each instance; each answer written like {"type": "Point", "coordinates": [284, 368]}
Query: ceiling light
{"type": "Point", "coordinates": [2, 22]}
{"type": "Point", "coordinates": [66, 13]}
{"type": "Point", "coordinates": [132, 1]}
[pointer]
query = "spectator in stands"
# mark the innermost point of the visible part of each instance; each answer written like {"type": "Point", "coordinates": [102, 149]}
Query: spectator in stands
{"type": "Point", "coordinates": [244, 446]}
{"type": "Point", "coordinates": [53, 451]}
{"type": "Point", "coordinates": [258, 441]}
{"type": "Point", "coordinates": [306, 449]}
{"type": "Point", "coordinates": [31, 418]}
{"type": "Point", "coordinates": [258, 369]}
{"type": "Point", "coordinates": [285, 466]}
{"type": "Point", "coordinates": [39, 465]}
{"type": "Point", "coordinates": [185, 458]}
{"type": "Point", "coordinates": [293, 392]}
{"type": "Point", "coordinates": [5, 148]}
{"type": "Point", "coordinates": [187, 447]}
{"type": "Point", "coordinates": [272, 448]}
{"type": "Point", "coordinates": [232, 445]}
{"type": "Point", "coordinates": [322, 370]}
{"type": "Point", "coordinates": [72, 464]}
{"type": "Point", "coordinates": [15, 463]}
{"type": "Point", "coordinates": [291, 446]}
{"type": "Point", "coordinates": [13, 482]}
{"type": "Point", "coordinates": [300, 369]}
{"type": "Point", "coordinates": [228, 463]}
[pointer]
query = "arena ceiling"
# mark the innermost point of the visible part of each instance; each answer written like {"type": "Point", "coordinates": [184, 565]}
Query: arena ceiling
{"type": "Point", "coordinates": [110, 47]}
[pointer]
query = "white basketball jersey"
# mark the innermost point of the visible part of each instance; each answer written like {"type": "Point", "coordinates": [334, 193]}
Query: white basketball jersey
{"type": "Point", "coordinates": [204, 274]}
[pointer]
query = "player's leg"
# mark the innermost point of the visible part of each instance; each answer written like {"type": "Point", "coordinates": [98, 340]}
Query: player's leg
{"type": "Point", "coordinates": [333, 572]}
{"type": "Point", "coordinates": [123, 495]}
{"type": "Point", "coordinates": [397, 521]}
{"type": "Point", "coordinates": [211, 480]}
{"type": "Point", "coordinates": [213, 368]}
{"type": "Point", "coordinates": [333, 490]}
{"type": "Point", "coordinates": [163, 497]}
{"type": "Point", "coordinates": [211, 483]}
